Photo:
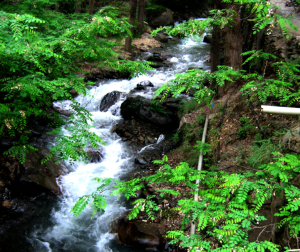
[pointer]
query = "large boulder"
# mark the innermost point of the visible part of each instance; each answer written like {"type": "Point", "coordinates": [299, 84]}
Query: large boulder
{"type": "Point", "coordinates": [44, 174]}
{"type": "Point", "coordinates": [164, 19]}
{"type": "Point", "coordinates": [110, 99]}
{"type": "Point", "coordinates": [163, 114]}
{"type": "Point", "coordinates": [145, 235]}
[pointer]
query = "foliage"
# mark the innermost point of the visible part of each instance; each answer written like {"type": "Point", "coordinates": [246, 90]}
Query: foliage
{"type": "Point", "coordinates": [187, 106]}
{"type": "Point", "coordinates": [98, 204]}
{"type": "Point", "coordinates": [41, 51]}
{"type": "Point", "coordinates": [153, 9]}
{"type": "Point", "coordinates": [256, 57]}
{"type": "Point", "coordinates": [264, 16]}
{"type": "Point", "coordinates": [194, 80]}
{"type": "Point", "coordinates": [246, 128]}
{"type": "Point", "coordinates": [261, 152]}
{"type": "Point", "coordinates": [229, 207]}
{"type": "Point", "coordinates": [284, 88]}
{"type": "Point", "coordinates": [155, 106]}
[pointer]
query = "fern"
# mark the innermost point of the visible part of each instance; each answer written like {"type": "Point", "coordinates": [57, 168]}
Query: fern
{"type": "Point", "coordinates": [41, 53]}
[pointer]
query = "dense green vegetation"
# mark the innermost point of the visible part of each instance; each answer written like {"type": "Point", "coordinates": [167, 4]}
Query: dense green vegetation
{"type": "Point", "coordinates": [41, 53]}
{"type": "Point", "coordinates": [228, 204]}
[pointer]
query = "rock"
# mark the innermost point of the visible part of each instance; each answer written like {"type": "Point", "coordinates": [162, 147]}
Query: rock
{"type": "Point", "coordinates": [61, 110]}
{"type": "Point", "coordinates": [168, 63]}
{"type": "Point", "coordinates": [159, 56]}
{"type": "Point", "coordinates": [150, 140]}
{"type": "Point", "coordinates": [157, 64]}
{"type": "Point", "coordinates": [164, 19]}
{"type": "Point", "coordinates": [102, 73]}
{"type": "Point", "coordinates": [162, 38]}
{"type": "Point", "coordinates": [150, 111]}
{"type": "Point", "coordinates": [7, 204]}
{"type": "Point", "coordinates": [139, 234]}
{"type": "Point", "coordinates": [207, 39]}
{"type": "Point", "coordinates": [74, 93]}
{"type": "Point", "coordinates": [141, 161]}
{"type": "Point", "coordinates": [145, 36]}
{"type": "Point", "coordinates": [45, 174]}
{"type": "Point", "coordinates": [144, 85]}
{"type": "Point", "coordinates": [292, 138]}
{"type": "Point", "coordinates": [127, 134]}
{"type": "Point", "coordinates": [110, 99]}
{"type": "Point", "coordinates": [154, 152]}
{"type": "Point", "coordinates": [96, 155]}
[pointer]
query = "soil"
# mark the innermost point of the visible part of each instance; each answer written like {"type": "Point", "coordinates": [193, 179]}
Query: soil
{"type": "Point", "coordinates": [230, 151]}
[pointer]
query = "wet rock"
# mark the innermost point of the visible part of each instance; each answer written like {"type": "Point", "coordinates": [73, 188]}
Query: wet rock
{"type": "Point", "coordinates": [141, 161]}
{"type": "Point", "coordinates": [159, 56]}
{"type": "Point", "coordinates": [142, 86]}
{"type": "Point", "coordinates": [127, 134]}
{"type": "Point", "coordinates": [7, 204]}
{"type": "Point", "coordinates": [150, 111]}
{"type": "Point", "coordinates": [96, 155]}
{"type": "Point", "coordinates": [110, 99]}
{"type": "Point", "coordinates": [145, 83]}
{"type": "Point", "coordinates": [157, 65]}
{"type": "Point", "coordinates": [154, 152]}
{"type": "Point", "coordinates": [164, 19]}
{"type": "Point", "coordinates": [162, 38]}
{"type": "Point", "coordinates": [74, 93]}
{"type": "Point", "coordinates": [42, 174]}
{"type": "Point", "coordinates": [139, 234]}
{"type": "Point", "coordinates": [168, 63]}
{"type": "Point", "coordinates": [207, 38]}
{"type": "Point", "coordinates": [102, 73]}
{"type": "Point", "coordinates": [150, 140]}
{"type": "Point", "coordinates": [61, 110]}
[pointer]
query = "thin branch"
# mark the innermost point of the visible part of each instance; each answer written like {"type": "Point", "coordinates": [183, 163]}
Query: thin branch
{"type": "Point", "coordinates": [260, 233]}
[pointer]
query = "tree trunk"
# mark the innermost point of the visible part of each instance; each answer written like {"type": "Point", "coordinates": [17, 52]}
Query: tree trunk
{"type": "Point", "coordinates": [132, 15]}
{"type": "Point", "coordinates": [233, 41]}
{"type": "Point", "coordinates": [141, 15]}
{"type": "Point", "coordinates": [215, 53]}
{"type": "Point", "coordinates": [78, 6]}
{"type": "Point", "coordinates": [215, 49]}
{"type": "Point", "coordinates": [233, 44]}
{"type": "Point", "coordinates": [91, 6]}
{"type": "Point", "coordinates": [103, 3]}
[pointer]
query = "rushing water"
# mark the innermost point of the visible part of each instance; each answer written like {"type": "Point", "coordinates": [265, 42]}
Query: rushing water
{"type": "Point", "coordinates": [63, 232]}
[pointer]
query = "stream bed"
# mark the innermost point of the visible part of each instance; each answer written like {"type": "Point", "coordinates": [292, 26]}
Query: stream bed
{"type": "Point", "coordinates": [62, 231]}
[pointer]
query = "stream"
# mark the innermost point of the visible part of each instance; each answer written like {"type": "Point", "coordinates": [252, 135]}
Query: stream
{"type": "Point", "coordinates": [63, 232]}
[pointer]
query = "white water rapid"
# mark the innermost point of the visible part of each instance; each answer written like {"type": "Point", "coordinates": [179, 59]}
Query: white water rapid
{"type": "Point", "coordinates": [83, 234]}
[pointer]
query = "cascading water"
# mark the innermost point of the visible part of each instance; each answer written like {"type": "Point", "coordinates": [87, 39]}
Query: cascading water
{"type": "Point", "coordinates": [68, 233]}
